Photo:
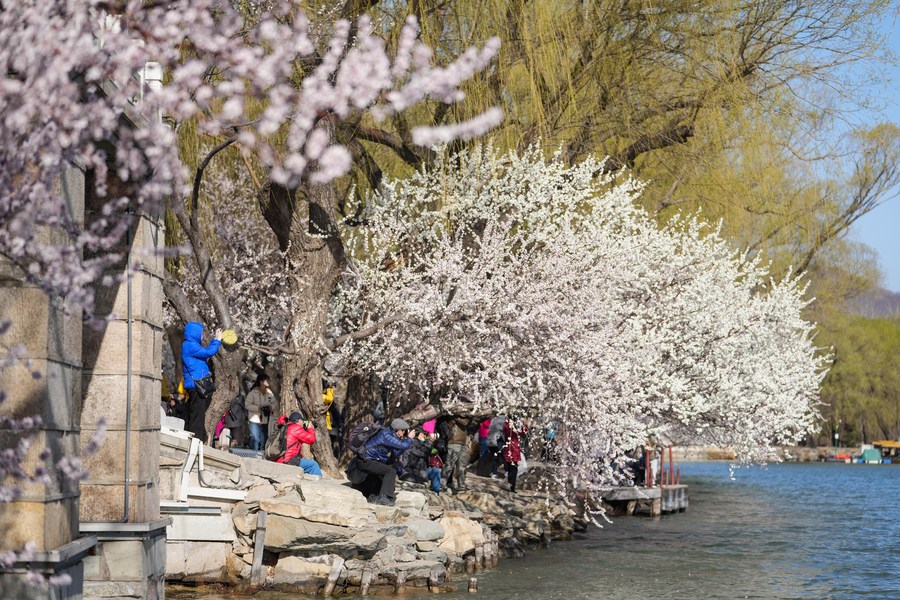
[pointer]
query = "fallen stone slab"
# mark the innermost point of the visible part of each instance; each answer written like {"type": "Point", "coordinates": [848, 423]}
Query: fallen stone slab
{"type": "Point", "coordinates": [337, 515]}
{"type": "Point", "coordinates": [285, 534]}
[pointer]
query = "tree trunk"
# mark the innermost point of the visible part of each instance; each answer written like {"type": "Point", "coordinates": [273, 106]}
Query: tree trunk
{"type": "Point", "coordinates": [315, 254]}
{"type": "Point", "coordinates": [229, 367]}
{"type": "Point", "coordinates": [361, 397]}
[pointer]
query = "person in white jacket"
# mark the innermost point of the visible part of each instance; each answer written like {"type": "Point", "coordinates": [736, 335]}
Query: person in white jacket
{"type": "Point", "coordinates": [260, 404]}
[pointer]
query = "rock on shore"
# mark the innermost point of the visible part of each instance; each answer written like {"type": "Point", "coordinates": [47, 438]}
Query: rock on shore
{"type": "Point", "coordinates": [316, 529]}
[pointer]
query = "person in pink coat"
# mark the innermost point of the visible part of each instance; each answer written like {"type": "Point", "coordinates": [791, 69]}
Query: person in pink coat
{"type": "Point", "coordinates": [483, 430]}
{"type": "Point", "coordinates": [512, 451]}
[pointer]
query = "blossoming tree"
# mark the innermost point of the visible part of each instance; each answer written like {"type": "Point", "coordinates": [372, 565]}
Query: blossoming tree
{"type": "Point", "coordinates": [81, 83]}
{"type": "Point", "coordinates": [516, 285]}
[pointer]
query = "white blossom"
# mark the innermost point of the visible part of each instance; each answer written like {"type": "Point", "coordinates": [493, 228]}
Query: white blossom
{"type": "Point", "coordinates": [525, 287]}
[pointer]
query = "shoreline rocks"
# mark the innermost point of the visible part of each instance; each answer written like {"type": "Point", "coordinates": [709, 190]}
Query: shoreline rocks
{"type": "Point", "coordinates": [420, 542]}
{"type": "Point", "coordinates": [322, 536]}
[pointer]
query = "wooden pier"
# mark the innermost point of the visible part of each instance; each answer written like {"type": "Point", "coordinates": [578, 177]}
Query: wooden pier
{"type": "Point", "coordinates": [654, 501]}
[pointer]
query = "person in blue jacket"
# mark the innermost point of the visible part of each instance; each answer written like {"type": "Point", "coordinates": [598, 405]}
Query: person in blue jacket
{"type": "Point", "coordinates": [379, 458]}
{"type": "Point", "coordinates": [194, 357]}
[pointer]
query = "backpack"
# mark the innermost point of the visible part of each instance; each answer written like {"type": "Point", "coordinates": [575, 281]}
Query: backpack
{"type": "Point", "coordinates": [361, 434]}
{"type": "Point", "coordinates": [277, 444]}
{"type": "Point", "coordinates": [236, 413]}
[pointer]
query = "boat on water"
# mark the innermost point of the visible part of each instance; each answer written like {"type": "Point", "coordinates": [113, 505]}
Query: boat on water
{"type": "Point", "coordinates": [843, 457]}
{"type": "Point", "coordinates": [888, 451]}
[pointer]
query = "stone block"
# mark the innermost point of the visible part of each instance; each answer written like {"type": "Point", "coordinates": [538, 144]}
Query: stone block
{"type": "Point", "coordinates": [236, 568]}
{"type": "Point", "coordinates": [205, 562]}
{"type": "Point", "coordinates": [335, 515]}
{"type": "Point", "coordinates": [106, 351]}
{"type": "Point", "coordinates": [175, 559]}
{"type": "Point", "coordinates": [460, 535]}
{"type": "Point", "coordinates": [108, 464]}
{"type": "Point", "coordinates": [125, 559]}
{"type": "Point", "coordinates": [54, 396]}
{"type": "Point", "coordinates": [296, 570]}
{"type": "Point", "coordinates": [114, 589]}
{"type": "Point", "coordinates": [146, 293]}
{"type": "Point", "coordinates": [425, 530]}
{"type": "Point", "coordinates": [208, 528]}
{"type": "Point", "coordinates": [104, 396]}
{"type": "Point", "coordinates": [261, 492]}
{"type": "Point", "coordinates": [105, 502]}
{"type": "Point", "coordinates": [285, 534]}
{"type": "Point", "coordinates": [415, 501]}
{"type": "Point", "coordinates": [45, 331]}
{"type": "Point", "coordinates": [50, 524]}
{"type": "Point", "coordinates": [169, 480]}
{"type": "Point", "coordinates": [59, 443]}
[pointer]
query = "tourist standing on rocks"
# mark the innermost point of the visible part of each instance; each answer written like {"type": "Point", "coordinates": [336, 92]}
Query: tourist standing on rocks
{"type": "Point", "coordinates": [483, 431]}
{"type": "Point", "coordinates": [299, 432]}
{"type": "Point", "coordinates": [495, 443]}
{"type": "Point", "coordinates": [260, 404]}
{"type": "Point", "coordinates": [380, 456]}
{"type": "Point", "coordinates": [198, 380]}
{"type": "Point", "coordinates": [512, 451]}
{"type": "Point", "coordinates": [457, 431]}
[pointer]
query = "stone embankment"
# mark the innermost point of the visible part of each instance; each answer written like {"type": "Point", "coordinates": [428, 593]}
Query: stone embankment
{"type": "Point", "coordinates": [321, 536]}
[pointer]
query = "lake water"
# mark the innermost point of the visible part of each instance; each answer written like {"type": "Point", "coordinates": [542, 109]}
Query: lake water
{"type": "Point", "coordinates": [787, 531]}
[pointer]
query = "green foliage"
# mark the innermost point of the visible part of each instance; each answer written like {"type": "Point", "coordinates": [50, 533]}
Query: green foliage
{"type": "Point", "coordinates": [862, 389]}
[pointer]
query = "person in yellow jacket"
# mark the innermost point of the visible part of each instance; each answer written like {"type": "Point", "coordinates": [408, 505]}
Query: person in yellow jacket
{"type": "Point", "coordinates": [333, 421]}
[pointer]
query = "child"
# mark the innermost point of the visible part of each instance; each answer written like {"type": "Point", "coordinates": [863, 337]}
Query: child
{"type": "Point", "coordinates": [435, 465]}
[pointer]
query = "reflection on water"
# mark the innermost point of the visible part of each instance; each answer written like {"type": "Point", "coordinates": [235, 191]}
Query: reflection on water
{"type": "Point", "coordinates": [788, 531]}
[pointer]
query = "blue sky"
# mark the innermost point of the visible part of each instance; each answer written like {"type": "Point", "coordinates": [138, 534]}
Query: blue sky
{"type": "Point", "coordinates": [879, 228]}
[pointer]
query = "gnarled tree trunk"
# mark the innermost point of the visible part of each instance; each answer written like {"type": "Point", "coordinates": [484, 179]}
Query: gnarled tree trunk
{"type": "Point", "coordinates": [316, 254]}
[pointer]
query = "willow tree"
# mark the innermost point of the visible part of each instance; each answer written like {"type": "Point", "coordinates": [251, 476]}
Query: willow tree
{"type": "Point", "coordinates": [863, 388]}
{"type": "Point", "coordinates": [741, 109]}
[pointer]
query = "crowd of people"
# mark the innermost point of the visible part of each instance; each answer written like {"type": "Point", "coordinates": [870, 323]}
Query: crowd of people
{"type": "Point", "coordinates": [438, 453]}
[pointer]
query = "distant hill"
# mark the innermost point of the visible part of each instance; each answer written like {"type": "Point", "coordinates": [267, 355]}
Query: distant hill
{"type": "Point", "coordinates": [876, 303]}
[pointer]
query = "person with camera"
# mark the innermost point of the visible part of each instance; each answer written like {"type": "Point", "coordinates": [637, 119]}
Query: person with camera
{"type": "Point", "coordinates": [198, 380]}
{"type": "Point", "coordinates": [418, 464]}
{"type": "Point", "coordinates": [380, 456]}
{"type": "Point", "coordinates": [260, 405]}
{"type": "Point", "coordinates": [299, 431]}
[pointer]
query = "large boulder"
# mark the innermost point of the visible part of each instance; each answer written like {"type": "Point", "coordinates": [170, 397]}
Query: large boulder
{"type": "Point", "coordinates": [295, 570]}
{"type": "Point", "coordinates": [413, 501]}
{"type": "Point", "coordinates": [460, 535]}
{"type": "Point", "coordinates": [285, 534]}
{"type": "Point", "coordinates": [328, 493]}
{"type": "Point", "coordinates": [425, 530]}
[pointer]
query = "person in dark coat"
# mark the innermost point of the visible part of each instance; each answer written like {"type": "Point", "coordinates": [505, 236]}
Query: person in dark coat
{"type": "Point", "coordinates": [380, 457]}
{"type": "Point", "coordinates": [194, 357]}
{"type": "Point", "coordinates": [414, 462]}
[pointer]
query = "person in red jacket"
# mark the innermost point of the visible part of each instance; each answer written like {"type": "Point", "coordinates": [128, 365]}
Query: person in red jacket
{"type": "Point", "coordinates": [299, 432]}
{"type": "Point", "coordinates": [512, 452]}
